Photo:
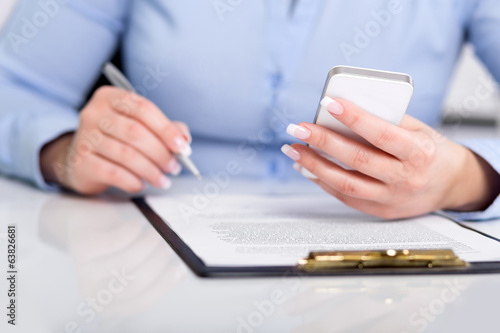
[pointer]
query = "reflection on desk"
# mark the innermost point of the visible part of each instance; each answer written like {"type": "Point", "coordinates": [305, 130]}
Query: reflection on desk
{"type": "Point", "coordinates": [122, 263]}
{"type": "Point", "coordinates": [96, 265]}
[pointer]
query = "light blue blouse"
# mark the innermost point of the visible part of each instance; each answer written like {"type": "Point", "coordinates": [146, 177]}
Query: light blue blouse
{"type": "Point", "coordinates": [236, 71]}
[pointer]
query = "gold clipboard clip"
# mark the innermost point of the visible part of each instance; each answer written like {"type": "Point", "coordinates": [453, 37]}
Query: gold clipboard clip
{"type": "Point", "coordinates": [328, 261]}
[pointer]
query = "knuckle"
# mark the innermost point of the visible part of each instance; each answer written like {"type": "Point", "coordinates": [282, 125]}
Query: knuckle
{"type": "Point", "coordinates": [416, 183]}
{"type": "Point", "coordinates": [125, 103]}
{"type": "Point", "coordinates": [133, 131]}
{"type": "Point", "coordinates": [321, 139]}
{"type": "Point", "coordinates": [347, 186]}
{"type": "Point", "coordinates": [167, 127]}
{"type": "Point", "coordinates": [427, 156]}
{"type": "Point", "coordinates": [403, 172]}
{"type": "Point", "coordinates": [130, 97]}
{"type": "Point", "coordinates": [428, 149]}
{"type": "Point", "coordinates": [385, 136]}
{"type": "Point", "coordinates": [340, 196]}
{"type": "Point", "coordinates": [143, 105]}
{"type": "Point", "coordinates": [124, 108]}
{"type": "Point", "coordinates": [168, 131]}
{"type": "Point", "coordinates": [127, 153]}
{"type": "Point", "coordinates": [421, 156]}
{"type": "Point", "coordinates": [353, 119]}
{"type": "Point", "coordinates": [416, 157]}
{"type": "Point", "coordinates": [360, 158]}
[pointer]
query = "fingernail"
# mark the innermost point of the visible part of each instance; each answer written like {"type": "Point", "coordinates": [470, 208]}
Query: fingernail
{"type": "Point", "coordinates": [183, 147]}
{"type": "Point", "coordinates": [308, 174]}
{"type": "Point", "coordinates": [332, 106]}
{"type": "Point", "coordinates": [299, 132]}
{"type": "Point", "coordinates": [173, 167]}
{"type": "Point", "coordinates": [290, 152]}
{"type": "Point", "coordinates": [188, 137]}
{"type": "Point", "coordinates": [164, 182]}
{"type": "Point", "coordinates": [297, 167]}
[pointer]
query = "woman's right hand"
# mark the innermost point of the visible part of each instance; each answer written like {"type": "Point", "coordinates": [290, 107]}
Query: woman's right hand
{"type": "Point", "coordinates": [121, 140]}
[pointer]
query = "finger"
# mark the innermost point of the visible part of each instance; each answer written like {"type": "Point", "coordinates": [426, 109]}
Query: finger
{"type": "Point", "coordinates": [102, 171]}
{"type": "Point", "coordinates": [347, 182]}
{"type": "Point", "coordinates": [419, 128]}
{"type": "Point", "coordinates": [350, 201]}
{"type": "Point", "coordinates": [135, 134]}
{"type": "Point", "coordinates": [370, 161]}
{"type": "Point", "coordinates": [147, 113]}
{"type": "Point", "coordinates": [185, 130]}
{"type": "Point", "coordinates": [380, 133]}
{"type": "Point", "coordinates": [131, 159]}
{"type": "Point", "coordinates": [365, 206]}
{"type": "Point", "coordinates": [411, 124]}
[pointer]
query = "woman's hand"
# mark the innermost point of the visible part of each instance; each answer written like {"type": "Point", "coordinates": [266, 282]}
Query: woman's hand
{"type": "Point", "coordinates": [410, 170]}
{"type": "Point", "coordinates": [122, 139]}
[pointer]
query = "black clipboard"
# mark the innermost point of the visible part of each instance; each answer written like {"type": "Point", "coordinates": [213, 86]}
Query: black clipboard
{"type": "Point", "coordinates": [202, 270]}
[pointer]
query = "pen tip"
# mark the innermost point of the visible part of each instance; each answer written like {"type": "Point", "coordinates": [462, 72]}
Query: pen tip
{"type": "Point", "coordinates": [199, 177]}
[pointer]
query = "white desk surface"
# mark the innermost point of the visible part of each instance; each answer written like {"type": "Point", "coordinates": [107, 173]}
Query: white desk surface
{"type": "Point", "coordinates": [71, 249]}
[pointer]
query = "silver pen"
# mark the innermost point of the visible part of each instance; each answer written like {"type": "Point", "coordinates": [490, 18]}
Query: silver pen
{"type": "Point", "coordinates": [116, 77]}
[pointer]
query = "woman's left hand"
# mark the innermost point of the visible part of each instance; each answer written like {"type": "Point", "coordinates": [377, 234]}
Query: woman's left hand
{"type": "Point", "coordinates": [410, 170]}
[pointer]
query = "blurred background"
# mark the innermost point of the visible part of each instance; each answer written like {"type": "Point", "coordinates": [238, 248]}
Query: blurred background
{"type": "Point", "coordinates": [461, 106]}
{"type": "Point", "coordinates": [5, 7]}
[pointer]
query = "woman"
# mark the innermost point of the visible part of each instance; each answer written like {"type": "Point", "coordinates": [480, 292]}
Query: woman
{"type": "Point", "coordinates": [238, 72]}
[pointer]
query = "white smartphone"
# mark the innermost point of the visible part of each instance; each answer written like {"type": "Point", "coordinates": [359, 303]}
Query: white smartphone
{"type": "Point", "coordinates": [383, 94]}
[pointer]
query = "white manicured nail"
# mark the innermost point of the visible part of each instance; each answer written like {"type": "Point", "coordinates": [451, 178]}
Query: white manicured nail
{"type": "Point", "coordinates": [290, 152]}
{"type": "Point", "coordinates": [306, 173]}
{"type": "Point", "coordinates": [299, 132]}
{"type": "Point", "coordinates": [332, 106]}
{"type": "Point", "coordinates": [174, 168]}
{"type": "Point", "coordinates": [183, 147]}
{"type": "Point", "coordinates": [165, 183]}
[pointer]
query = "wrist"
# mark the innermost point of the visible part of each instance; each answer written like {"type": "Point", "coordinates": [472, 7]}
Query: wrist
{"type": "Point", "coordinates": [53, 158]}
{"type": "Point", "coordinates": [476, 185]}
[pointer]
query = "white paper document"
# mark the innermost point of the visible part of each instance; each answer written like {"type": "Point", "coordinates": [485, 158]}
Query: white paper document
{"type": "Point", "coordinates": [240, 230]}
